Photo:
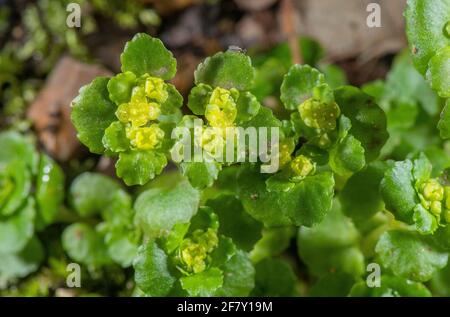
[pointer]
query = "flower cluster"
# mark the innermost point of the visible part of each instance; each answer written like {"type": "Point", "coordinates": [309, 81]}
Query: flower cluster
{"type": "Point", "coordinates": [194, 252]}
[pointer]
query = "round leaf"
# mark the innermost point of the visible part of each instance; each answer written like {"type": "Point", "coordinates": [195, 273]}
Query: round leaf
{"type": "Point", "coordinates": [147, 55]}
{"type": "Point", "coordinates": [408, 255]}
{"type": "Point", "coordinates": [92, 113]}
{"type": "Point", "coordinates": [152, 273]}
{"type": "Point", "coordinates": [227, 70]}
{"type": "Point", "coordinates": [298, 85]}
{"type": "Point", "coordinates": [159, 209]}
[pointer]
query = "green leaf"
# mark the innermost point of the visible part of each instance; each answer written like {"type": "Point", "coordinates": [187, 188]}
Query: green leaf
{"type": "Point", "coordinates": [347, 156]}
{"type": "Point", "coordinates": [198, 98]}
{"type": "Point", "coordinates": [175, 237]}
{"type": "Point", "coordinates": [333, 285]}
{"type": "Point", "coordinates": [159, 209]}
{"type": "Point", "coordinates": [147, 55]}
{"type": "Point", "coordinates": [426, 223]}
{"type": "Point", "coordinates": [367, 119]}
{"type": "Point", "coordinates": [298, 85]}
{"type": "Point", "coordinates": [122, 246]}
{"type": "Point", "coordinates": [408, 255]}
{"type": "Point", "coordinates": [235, 222]}
{"type": "Point", "coordinates": [421, 168]}
{"type": "Point", "coordinates": [247, 107]}
{"type": "Point", "coordinates": [92, 193]}
{"type": "Point", "coordinates": [17, 230]}
{"type": "Point", "coordinates": [444, 121]}
{"type": "Point", "coordinates": [15, 179]}
{"type": "Point", "coordinates": [19, 265]}
{"type": "Point", "coordinates": [92, 113]}
{"type": "Point", "coordinates": [18, 147]}
{"type": "Point", "coordinates": [223, 252]}
{"type": "Point", "coordinates": [258, 201]}
{"type": "Point", "coordinates": [227, 70]}
{"type": "Point", "coordinates": [442, 237]}
{"type": "Point", "coordinates": [204, 283]}
{"type": "Point", "coordinates": [305, 204]}
{"type": "Point", "coordinates": [310, 200]}
{"type": "Point", "coordinates": [425, 21]}
{"type": "Point", "coordinates": [273, 242]}
{"type": "Point", "coordinates": [438, 73]}
{"type": "Point", "coordinates": [238, 276]}
{"type": "Point", "coordinates": [138, 167]}
{"type": "Point", "coordinates": [391, 286]}
{"type": "Point", "coordinates": [360, 197]}
{"type": "Point", "coordinates": [115, 138]}
{"type": "Point", "coordinates": [334, 75]}
{"type": "Point", "coordinates": [49, 190]}
{"type": "Point", "coordinates": [85, 245]}
{"type": "Point", "coordinates": [274, 278]}
{"type": "Point", "coordinates": [440, 283]}
{"type": "Point", "coordinates": [174, 99]}
{"type": "Point", "coordinates": [152, 273]}
{"type": "Point", "coordinates": [120, 87]}
{"type": "Point", "coordinates": [200, 174]}
{"type": "Point", "coordinates": [397, 190]}
{"type": "Point", "coordinates": [335, 236]}
{"type": "Point", "coordinates": [404, 88]}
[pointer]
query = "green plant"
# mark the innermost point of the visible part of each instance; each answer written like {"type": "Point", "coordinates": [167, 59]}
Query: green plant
{"type": "Point", "coordinates": [31, 192]}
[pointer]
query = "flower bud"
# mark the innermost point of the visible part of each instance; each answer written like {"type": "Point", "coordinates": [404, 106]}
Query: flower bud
{"type": "Point", "coordinates": [302, 166]}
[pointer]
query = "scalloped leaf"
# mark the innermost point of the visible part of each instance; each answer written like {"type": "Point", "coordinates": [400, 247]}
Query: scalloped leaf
{"type": "Point", "coordinates": [138, 167]}
{"type": "Point", "coordinates": [159, 209]}
{"type": "Point", "coordinates": [152, 273]}
{"type": "Point", "coordinates": [228, 70]}
{"type": "Point", "coordinates": [408, 255]}
{"type": "Point", "coordinates": [201, 174]}
{"type": "Point", "coordinates": [298, 85]}
{"type": "Point", "coordinates": [274, 277]}
{"type": "Point", "coordinates": [16, 146]}
{"type": "Point", "coordinates": [92, 113]}
{"type": "Point", "coordinates": [238, 276]}
{"type": "Point", "coordinates": [438, 73]}
{"type": "Point", "coordinates": [368, 120]}
{"type": "Point", "coordinates": [361, 197]}
{"type": "Point", "coordinates": [120, 87]}
{"type": "Point", "coordinates": [235, 222]}
{"type": "Point", "coordinates": [147, 55]}
{"type": "Point", "coordinates": [198, 98]}
{"type": "Point", "coordinates": [390, 286]}
{"type": "Point", "coordinates": [425, 21]}
{"type": "Point", "coordinates": [347, 156]}
{"type": "Point", "coordinates": [18, 179]}
{"type": "Point", "coordinates": [398, 192]}
{"type": "Point", "coordinates": [204, 283]}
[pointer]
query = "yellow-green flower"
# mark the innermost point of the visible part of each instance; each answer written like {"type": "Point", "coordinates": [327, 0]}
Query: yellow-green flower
{"type": "Point", "coordinates": [302, 166]}
{"type": "Point", "coordinates": [193, 256]}
{"type": "Point", "coordinates": [145, 138]}
{"type": "Point", "coordinates": [155, 88]}
{"type": "Point", "coordinates": [319, 115]}
{"type": "Point", "coordinates": [432, 190]}
{"type": "Point", "coordinates": [221, 110]}
{"type": "Point", "coordinates": [194, 252]}
{"type": "Point", "coordinates": [285, 150]}
{"type": "Point", "coordinates": [145, 103]}
{"type": "Point", "coordinates": [207, 238]}
{"type": "Point", "coordinates": [212, 140]}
